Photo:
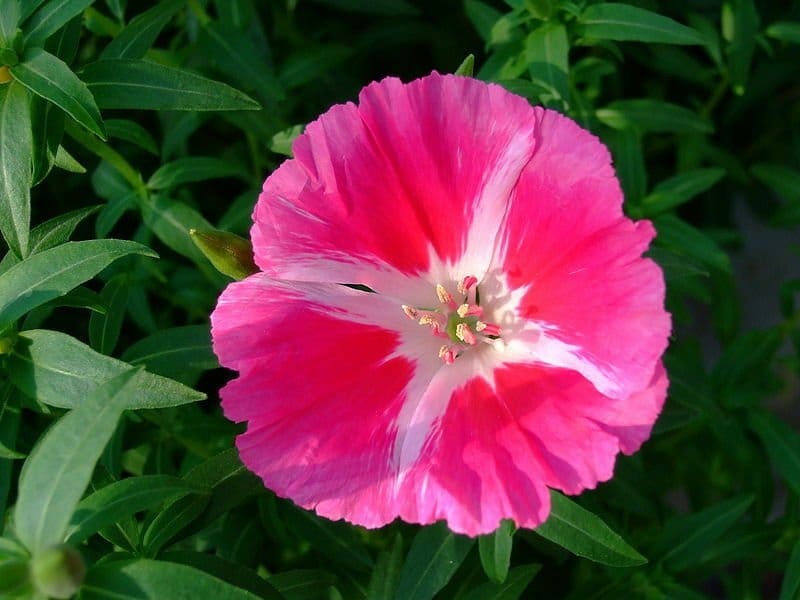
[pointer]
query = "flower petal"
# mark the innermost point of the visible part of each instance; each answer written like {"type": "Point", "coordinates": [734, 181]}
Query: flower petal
{"type": "Point", "coordinates": [597, 306]}
{"type": "Point", "coordinates": [415, 171]}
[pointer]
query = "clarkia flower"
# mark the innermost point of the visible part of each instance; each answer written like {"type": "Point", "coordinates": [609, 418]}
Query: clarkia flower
{"type": "Point", "coordinates": [512, 336]}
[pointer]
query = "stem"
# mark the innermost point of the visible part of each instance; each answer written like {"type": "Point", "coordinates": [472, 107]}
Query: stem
{"type": "Point", "coordinates": [114, 158]}
{"type": "Point", "coordinates": [717, 95]}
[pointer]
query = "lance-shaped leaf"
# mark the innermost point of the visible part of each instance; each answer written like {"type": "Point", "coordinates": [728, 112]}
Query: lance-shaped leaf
{"type": "Point", "coordinates": [143, 578]}
{"type": "Point", "coordinates": [585, 534]}
{"type": "Point", "coordinates": [16, 148]}
{"type": "Point", "coordinates": [50, 77]}
{"type": "Point", "coordinates": [124, 83]}
{"type": "Point", "coordinates": [623, 22]}
{"type": "Point", "coordinates": [54, 272]}
{"type": "Point", "coordinates": [60, 466]}
{"type": "Point", "coordinates": [61, 371]}
{"type": "Point", "coordinates": [138, 35]}
{"type": "Point", "coordinates": [50, 18]}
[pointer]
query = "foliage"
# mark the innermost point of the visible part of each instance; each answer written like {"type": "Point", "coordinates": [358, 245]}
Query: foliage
{"type": "Point", "coordinates": [129, 124]}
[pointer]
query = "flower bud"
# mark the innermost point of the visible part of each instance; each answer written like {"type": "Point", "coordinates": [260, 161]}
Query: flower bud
{"type": "Point", "coordinates": [5, 75]}
{"type": "Point", "coordinates": [229, 253]}
{"type": "Point", "coordinates": [7, 342]}
{"type": "Point", "coordinates": [58, 571]}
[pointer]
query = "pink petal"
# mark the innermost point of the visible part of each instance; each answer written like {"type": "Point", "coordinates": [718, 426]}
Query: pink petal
{"type": "Point", "coordinates": [599, 304]}
{"type": "Point", "coordinates": [414, 170]}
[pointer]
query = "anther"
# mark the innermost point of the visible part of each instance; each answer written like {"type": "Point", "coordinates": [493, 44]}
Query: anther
{"type": "Point", "coordinates": [487, 328]}
{"type": "Point", "coordinates": [447, 355]}
{"type": "Point", "coordinates": [466, 283]}
{"type": "Point", "coordinates": [469, 310]}
{"type": "Point", "coordinates": [464, 333]}
{"type": "Point", "coordinates": [411, 312]}
{"type": "Point", "coordinates": [444, 296]}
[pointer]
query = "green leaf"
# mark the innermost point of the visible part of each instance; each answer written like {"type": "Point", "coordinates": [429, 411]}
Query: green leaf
{"type": "Point", "coordinates": [9, 429]}
{"type": "Point", "coordinates": [121, 499]}
{"type": "Point", "coordinates": [386, 573]}
{"type": "Point", "coordinates": [65, 161]}
{"type": "Point", "coordinates": [679, 189]}
{"type": "Point", "coordinates": [125, 83]}
{"type": "Point", "coordinates": [168, 524]}
{"type": "Point", "coordinates": [547, 55]}
{"type": "Point", "coordinates": [495, 551]}
{"type": "Point", "coordinates": [48, 131]}
{"type": "Point", "coordinates": [783, 180]}
{"type": "Point", "coordinates": [653, 116]}
{"type": "Point", "coordinates": [194, 168]}
{"type": "Point", "coordinates": [226, 570]}
{"type": "Point", "coordinates": [171, 221]}
{"type": "Point", "coordinates": [60, 466]}
{"type": "Point", "coordinates": [138, 35]}
{"type": "Point", "coordinates": [782, 443]}
{"type": "Point", "coordinates": [281, 142]}
{"type": "Point", "coordinates": [50, 18]}
{"type": "Point", "coordinates": [623, 22]}
{"type": "Point", "coordinates": [434, 556]}
{"type": "Point", "coordinates": [58, 370]}
{"type": "Point", "coordinates": [236, 56]}
{"type": "Point", "coordinates": [136, 579]}
{"type": "Point", "coordinates": [9, 19]}
{"type": "Point", "coordinates": [740, 25]}
{"type": "Point", "coordinates": [132, 132]}
{"type": "Point", "coordinates": [396, 8]}
{"type": "Point", "coordinates": [585, 534]}
{"type": "Point", "coordinates": [685, 538]}
{"type": "Point", "coordinates": [337, 542]}
{"type": "Point", "coordinates": [16, 148]}
{"type": "Point", "coordinates": [626, 146]}
{"type": "Point", "coordinates": [790, 588]}
{"type": "Point", "coordinates": [49, 77]}
{"type": "Point", "coordinates": [786, 31]}
{"type": "Point", "coordinates": [685, 240]}
{"type": "Point", "coordinates": [104, 328]}
{"type": "Point", "coordinates": [483, 17]}
{"type": "Point", "coordinates": [174, 352]}
{"type": "Point", "coordinates": [301, 584]}
{"type": "Point", "coordinates": [58, 230]}
{"type": "Point", "coordinates": [52, 273]}
{"type": "Point", "coordinates": [512, 589]}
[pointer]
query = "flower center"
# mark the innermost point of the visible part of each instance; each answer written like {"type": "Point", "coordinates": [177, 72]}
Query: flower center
{"type": "Point", "coordinates": [459, 324]}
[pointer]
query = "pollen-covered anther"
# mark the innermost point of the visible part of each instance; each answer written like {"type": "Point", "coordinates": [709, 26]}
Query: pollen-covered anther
{"type": "Point", "coordinates": [445, 297]}
{"type": "Point", "coordinates": [465, 284]}
{"type": "Point", "coordinates": [432, 321]}
{"type": "Point", "coordinates": [411, 312]}
{"type": "Point", "coordinates": [487, 328]}
{"type": "Point", "coordinates": [447, 354]}
{"type": "Point", "coordinates": [469, 310]}
{"type": "Point", "coordinates": [465, 334]}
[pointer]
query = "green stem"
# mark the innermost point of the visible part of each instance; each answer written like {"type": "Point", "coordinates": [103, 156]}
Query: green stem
{"type": "Point", "coordinates": [111, 156]}
{"type": "Point", "coordinates": [717, 95]}
{"type": "Point", "coordinates": [199, 12]}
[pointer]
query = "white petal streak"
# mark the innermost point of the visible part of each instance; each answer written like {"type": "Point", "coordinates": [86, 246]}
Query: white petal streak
{"type": "Point", "coordinates": [491, 205]}
{"type": "Point", "coordinates": [537, 343]}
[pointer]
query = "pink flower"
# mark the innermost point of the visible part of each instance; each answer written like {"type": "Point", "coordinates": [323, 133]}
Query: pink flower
{"type": "Point", "coordinates": [513, 341]}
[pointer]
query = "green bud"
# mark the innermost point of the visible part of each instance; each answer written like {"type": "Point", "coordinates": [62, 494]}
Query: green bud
{"type": "Point", "coordinates": [5, 75]}
{"type": "Point", "coordinates": [229, 253]}
{"type": "Point", "coordinates": [467, 66]}
{"type": "Point", "coordinates": [58, 571]}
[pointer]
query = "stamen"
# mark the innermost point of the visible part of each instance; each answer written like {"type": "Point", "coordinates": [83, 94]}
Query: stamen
{"type": "Point", "coordinates": [445, 297]}
{"type": "Point", "coordinates": [433, 320]}
{"type": "Point", "coordinates": [464, 333]}
{"type": "Point", "coordinates": [411, 312]}
{"type": "Point", "coordinates": [469, 310]}
{"type": "Point", "coordinates": [447, 354]}
{"type": "Point", "coordinates": [466, 283]}
{"type": "Point", "coordinates": [487, 328]}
